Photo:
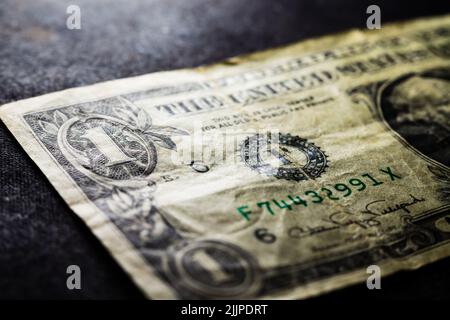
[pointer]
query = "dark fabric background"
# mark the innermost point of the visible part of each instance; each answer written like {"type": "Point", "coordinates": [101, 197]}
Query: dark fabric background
{"type": "Point", "coordinates": [39, 235]}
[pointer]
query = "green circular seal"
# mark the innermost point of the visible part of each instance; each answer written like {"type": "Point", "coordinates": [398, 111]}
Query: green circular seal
{"type": "Point", "coordinates": [283, 156]}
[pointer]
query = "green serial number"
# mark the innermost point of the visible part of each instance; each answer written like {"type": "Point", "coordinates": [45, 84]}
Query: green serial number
{"type": "Point", "coordinates": [333, 193]}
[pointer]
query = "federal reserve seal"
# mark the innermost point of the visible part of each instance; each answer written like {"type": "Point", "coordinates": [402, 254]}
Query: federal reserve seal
{"type": "Point", "coordinates": [283, 156]}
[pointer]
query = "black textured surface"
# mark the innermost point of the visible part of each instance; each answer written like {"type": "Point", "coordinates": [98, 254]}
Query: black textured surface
{"type": "Point", "coordinates": [39, 235]}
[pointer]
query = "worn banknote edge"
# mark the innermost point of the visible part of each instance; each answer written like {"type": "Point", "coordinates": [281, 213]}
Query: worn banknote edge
{"type": "Point", "coordinates": [120, 247]}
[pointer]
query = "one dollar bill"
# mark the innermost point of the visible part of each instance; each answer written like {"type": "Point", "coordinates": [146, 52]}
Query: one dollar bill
{"type": "Point", "coordinates": [280, 174]}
